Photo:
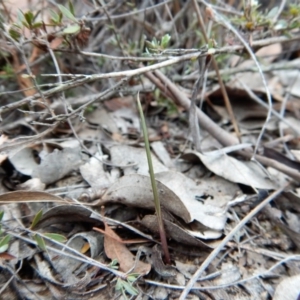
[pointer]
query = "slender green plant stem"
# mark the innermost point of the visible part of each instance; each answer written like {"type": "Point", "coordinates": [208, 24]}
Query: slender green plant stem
{"type": "Point", "coordinates": [162, 231]}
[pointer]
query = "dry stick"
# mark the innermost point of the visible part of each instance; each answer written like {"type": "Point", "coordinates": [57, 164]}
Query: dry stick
{"type": "Point", "coordinates": [225, 138]}
{"type": "Point", "coordinates": [129, 73]}
{"type": "Point", "coordinates": [231, 234]}
{"type": "Point", "coordinates": [221, 83]}
{"type": "Point", "coordinates": [193, 119]}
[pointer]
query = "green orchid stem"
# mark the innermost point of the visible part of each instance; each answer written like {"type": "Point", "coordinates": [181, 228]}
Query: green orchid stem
{"type": "Point", "coordinates": [161, 227]}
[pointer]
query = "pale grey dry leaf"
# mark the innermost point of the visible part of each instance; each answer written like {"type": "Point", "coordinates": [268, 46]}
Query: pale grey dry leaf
{"type": "Point", "coordinates": [94, 174]}
{"type": "Point", "coordinates": [135, 190]}
{"type": "Point", "coordinates": [44, 270]}
{"type": "Point", "coordinates": [293, 221]}
{"type": "Point", "coordinates": [291, 79]}
{"type": "Point", "coordinates": [288, 289]}
{"type": "Point", "coordinates": [122, 155]}
{"type": "Point", "coordinates": [187, 269]}
{"type": "Point", "coordinates": [94, 239]}
{"type": "Point", "coordinates": [20, 250]}
{"type": "Point", "coordinates": [161, 152]}
{"type": "Point", "coordinates": [24, 161]}
{"type": "Point", "coordinates": [177, 195]}
{"type": "Point", "coordinates": [174, 232]}
{"type": "Point", "coordinates": [103, 118]}
{"type": "Point", "coordinates": [211, 212]}
{"type": "Point", "coordinates": [229, 274]}
{"type": "Point", "coordinates": [160, 293]}
{"type": "Point", "coordinates": [245, 172]}
{"type": "Point", "coordinates": [57, 165]}
{"type": "Point", "coordinates": [126, 119]}
{"type": "Point", "coordinates": [296, 154]}
{"type": "Point", "coordinates": [33, 184]}
{"type": "Point", "coordinates": [251, 79]}
{"type": "Point", "coordinates": [31, 289]}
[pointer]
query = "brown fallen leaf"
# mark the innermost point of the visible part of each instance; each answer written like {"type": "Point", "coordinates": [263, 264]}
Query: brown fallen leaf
{"type": "Point", "coordinates": [29, 196]}
{"type": "Point", "coordinates": [116, 249]}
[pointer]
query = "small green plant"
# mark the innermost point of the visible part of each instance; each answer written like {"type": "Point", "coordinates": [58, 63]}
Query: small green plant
{"type": "Point", "coordinates": [156, 46]}
{"type": "Point", "coordinates": [39, 237]}
{"type": "Point", "coordinates": [125, 286]}
{"type": "Point", "coordinates": [4, 239]}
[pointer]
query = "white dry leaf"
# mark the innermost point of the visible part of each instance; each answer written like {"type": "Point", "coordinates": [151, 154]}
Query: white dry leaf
{"type": "Point", "coordinates": [210, 212]}
{"type": "Point", "coordinates": [3, 139]}
{"type": "Point", "coordinates": [57, 165]}
{"type": "Point", "coordinates": [94, 174]}
{"type": "Point", "coordinates": [123, 155]}
{"type": "Point", "coordinates": [177, 194]}
{"type": "Point", "coordinates": [288, 289]}
{"type": "Point", "coordinates": [66, 266]}
{"type": "Point", "coordinates": [103, 118]}
{"type": "Point", "coordinates": [229, 274]}
{"type": "Point", "coordinates": [244, 172]}
{"type": "Point", "coordinates": [125, 119]}
{"type": "Point", "coordinates": [23, 161]}
{"type": "Point", "coordinates": [162, 153]}
{"type": "Point", "coordinates": [33, 184]}
{"type": "Point", "coordinates": [291, 79]}
{"type": "Point", "coordinates": [296, 153]}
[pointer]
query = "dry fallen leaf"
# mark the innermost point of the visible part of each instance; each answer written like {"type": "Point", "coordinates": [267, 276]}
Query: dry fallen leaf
{"type": "Point", "coordinates": [115, 249]}
{"type": "Point", "coordinates": [245, 172]}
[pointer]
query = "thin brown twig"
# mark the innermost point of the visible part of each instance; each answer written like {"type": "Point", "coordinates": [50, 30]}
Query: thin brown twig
{"type": "Point", "coordinates": [215, 65]}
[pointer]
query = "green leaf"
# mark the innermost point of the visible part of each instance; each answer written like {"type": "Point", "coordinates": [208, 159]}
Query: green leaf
{"type": "Point", "coordinates": [36, 219]}
{"type": "Point", "coordinates": [67, 13]}
{"type": "Point", "coordinates": [165, 40]}
{"type": "Point", "coordinates": [119, 284]}
{"type": "Point", "coordinates": [20, 18]}
{"type": "Point", "coordinates": [150, 45]}
{"type": "Point", "coordinates": [132, 277]}
{"type": "Point", "coordinates": [40, 241]}
{"type": "Point", "coordinates": [71, 8]}
{"type": "Point", "coordinates": [37, 24]}
{"type": "Point", "coordinates": [1, 215]}
{"type": "Point", "coordinates": [130, 289]}
{"type": "Point", "coordinates": [56, 237]}
{"type": "Point", "coordinates": [29, 18]}
{"type": "Point", "coordinates": [54, 16]}
{"type": "Point", "coordinates": [281, 24]}
{"type": "Point", "coordinates": [4, 243]}
{"type": "Point", "coordinates": [72, 29]}
{"type": "Point", "coordinates": [272, 13]}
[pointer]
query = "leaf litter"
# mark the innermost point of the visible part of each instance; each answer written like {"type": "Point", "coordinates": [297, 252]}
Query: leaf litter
{"type": "Point", "coordinates": [78, 217]}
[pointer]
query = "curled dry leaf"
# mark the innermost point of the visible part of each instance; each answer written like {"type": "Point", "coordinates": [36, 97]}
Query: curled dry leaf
{"type": "Point", "coordinates": [177, 193]}
{"type": "Point", "coordinates": [245, 172]}
{"type": "Point", "coordinates": [68, 267]}
{"type": "Point", "coordinates": [67, 213]}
